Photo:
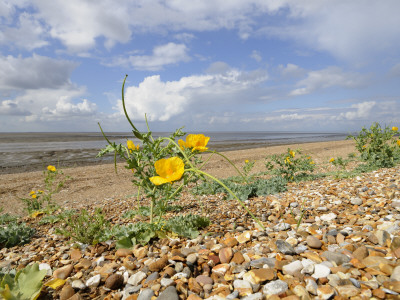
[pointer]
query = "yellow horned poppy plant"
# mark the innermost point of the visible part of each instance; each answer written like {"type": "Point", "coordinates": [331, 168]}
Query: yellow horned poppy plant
{"type": "Point", "coordinates": [398, 142]}
{"type": "Point", "coordinates": [168, 169]}
{"type": "Point", "coordinates": [51, 168]}
{"type": "Point", "coordinates": [195, 141]}
{"type": "Point", "coordinates": [131, 146]}
{"type": "Point", "coordinates": [332, 160]}
{"type": "Point", "coordinates": [394, 128]}
{"type": "Point", "coordinates": [292, 153]}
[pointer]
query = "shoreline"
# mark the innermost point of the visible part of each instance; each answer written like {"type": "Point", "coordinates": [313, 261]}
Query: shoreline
{"type": "Point", "coordinates": [95, 183]}
{"type": "Point", "coordinates": [72, 158]}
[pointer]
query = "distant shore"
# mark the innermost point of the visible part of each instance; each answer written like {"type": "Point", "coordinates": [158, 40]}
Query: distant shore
{"type": "Point", "coordinates": [92, 183]}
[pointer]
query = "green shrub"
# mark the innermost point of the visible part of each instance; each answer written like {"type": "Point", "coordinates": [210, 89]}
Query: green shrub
{"type": "Point", "coordinates": [292, 165]}
{"type": "Point", "coordinates": [142, 233]}
{"type": "Point", "coordinates": [84, 227]}
{"type": "Point", "coordinates": [378, 146]}
{"type": "Point", "coordinates": [14, 234]}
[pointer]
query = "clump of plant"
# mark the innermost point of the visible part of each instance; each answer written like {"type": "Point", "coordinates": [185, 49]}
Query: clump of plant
{"type": "Point", "coordinates": [41, 201]}
{"type": "Point", "coordinates": [244, 190]}
{"type": "Point", "coordinates": [142, 233]}
{"type": "Point", "coordinates": [84, 227]}
{"type": "Point", "coordinates": [292, 165]}
{"type": "Point", "coordinates": [379, 147]}
{"type": "Point", "coordinates": [162, 166]}
{"type": "Point", "coordinates": [14, 233]}
{"type": "Point", "coordinates": [6, 218]}
{"type": "Point", "coordinates": [25, 285]}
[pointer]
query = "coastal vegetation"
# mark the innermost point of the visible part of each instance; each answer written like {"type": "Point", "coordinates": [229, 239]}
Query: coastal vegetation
{"type": "Point", "coordinates": [164, 168]}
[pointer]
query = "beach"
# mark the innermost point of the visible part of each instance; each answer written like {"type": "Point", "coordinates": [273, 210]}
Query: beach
{"type": "Point", "coordinates": [97, 184]}
{"type": "Point", "coordinates": [329, 238]}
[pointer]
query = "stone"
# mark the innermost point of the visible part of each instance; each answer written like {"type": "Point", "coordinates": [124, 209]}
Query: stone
{"type": "Point", "coordinates": [261, 262]}
{"type": "Point", "coordinates": [259, 276]}
{"type": "Point", "coordinates": [347, 291]}
{"type": "Point", "coordinates": [159, 264]}
{"type": "Point", "coordinates": [285, 247]}
{"type": "Point", "coordinates": [360, 253]}
{"type": "Point", "coordinates": [383, 237]}
{"type": "Point", "coordinates": [153, 276]}
{"type": "Point", "coordinates": [356, 201]}
{"type": "Point", "coordinates": [320, 271]}
{"type": "Point", "coordinates": [301, 292]}
{"type": "Point", "coordinates": [292, 268]}
{"type": "Point", "coordinates": [123, 252]}
{"type": "Point", "coordinates": [191, 258]}
{"type": "Point", "coordinates": [146, 294]}
{"type": "Point", "coordinates": [66, 292]}
{"type": "Point", "coordinates": [276, 287]}
{"type": "Point", "coordinates": [140, 252]}
{"type": "Point", "coordinates": [395, 274]}
{"type": "Point", "coordinates": [220, 269]}
{"type": "Point", "coordinates": [93, 281]}
{"type": "Point", "coordinates": [238, 258]}
{"type": "Point", "coordinates": [243, 287]}
{"type": "Point", "coordinates": [136, 278]}
{"type": "Point", "coordinates": [170, 293]}
{"type": "Point", "coordinates": [311, 286]}
{"type": "Point", "coordinates": [78, 284]}
{"type": "Point", "coordinates": [328, 217]}
{"type": "Point", "coordinates": [63, 272]}
{"type": "Point", "coordinates": [114, 282]}
{"type": "Point", "coordinates": [47, 267]}
{"type": "Point", "coordinates": [325, 292]}
{"type": "Point", "coordinates": [75, 254]}
{"type": "Point", "coordinates": [256, 296]}
{"type": "Point", "coordinates": [244, 237]}
{"type": "Point", "coordinates": [313, 242]}
{"type": "Point", "coordinates": [203, 280]}
{"type": "Point", "coordinates": [225, 255]}
{"type": "Point", "coordinates": [338, 258]}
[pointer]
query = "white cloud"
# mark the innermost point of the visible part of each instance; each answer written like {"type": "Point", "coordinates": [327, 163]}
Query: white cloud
{"type": "Point", "coordinates": [29, 34]}
{"type": "Point", "coordinates": [358, 111]}
{"type": "Point", "coordinates": [326, 78]}
{"type": "Point", "coordinates": [352, 30]}
{"type": "Point", "coordinates": [65, 108]}
{"type": "Point", "coordinates": [34, 72]}
{"type": "Point", "coordinates": [11, 108]}
{"type": "Point", "coordinates": [291, 70]}
{"type": "Point", "coordinates": [395, 71]}
{"type": "Point", "coordinates": [167, 54]}
{"type": "Point", "coordinates": [162, 101]}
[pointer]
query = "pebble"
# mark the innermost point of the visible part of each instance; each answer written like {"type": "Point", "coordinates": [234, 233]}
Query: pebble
{"type": "Point", "coordinates": [276, 287]}
{"type": "Point", "coordinates": [338, 251]}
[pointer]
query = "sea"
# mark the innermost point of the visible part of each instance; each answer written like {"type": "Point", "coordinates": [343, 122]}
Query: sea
{"type": "Point", "coordinates": [30, 151]}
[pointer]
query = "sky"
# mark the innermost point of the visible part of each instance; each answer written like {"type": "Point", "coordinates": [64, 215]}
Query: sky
{"type": "Point", "coordinates": [237, 65]}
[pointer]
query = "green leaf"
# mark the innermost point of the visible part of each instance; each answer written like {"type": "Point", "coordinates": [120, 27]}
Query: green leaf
{"type": "Point", "coordinates": [26, 285]}
{"type": "Point", "coordinates": [124, 243]}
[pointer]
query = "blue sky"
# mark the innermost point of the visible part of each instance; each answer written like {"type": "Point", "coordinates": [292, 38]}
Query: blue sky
{"type": "Point", "coordinates": [268, 65]}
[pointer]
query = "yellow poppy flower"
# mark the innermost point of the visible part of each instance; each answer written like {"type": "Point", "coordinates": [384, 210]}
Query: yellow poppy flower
{"type": "Point", "coordinates": [332, 160]}
{"type": "Point", "coordinates": [246, 161]}
{"type": "Point", "coordinates": [195, 141]}
{"type": "Point", "coordinates": [312, 162]}
{"type": "Point", "coordinates": [287, 160]}
{"type": "Point", "coordinates": [32, 192]}
{"type": "Point", "coordinates": [168, 169]}
{"type": "Point", "coordinates": [394, 128]}
{"type": "Point", "coordinates": [292, 153]}
{"type": "Point", "coordinates": [51, 168]}
{"type": "Point", "coordinates": [398, 142]}
{"type": "Point", "coordinates": [131, 146]}
{"type": "Point", "coordinates": [34, 196]}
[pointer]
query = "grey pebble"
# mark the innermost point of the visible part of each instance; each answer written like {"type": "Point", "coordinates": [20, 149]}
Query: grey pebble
{"type": "Point", "coordinates": [285, 247]}
{"type": "Point", "coordinates": [169, 293]}
{"type": "Point", "coordinates": [276, 287]}
{"type": "Point", "coordinates": [146, 294]}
